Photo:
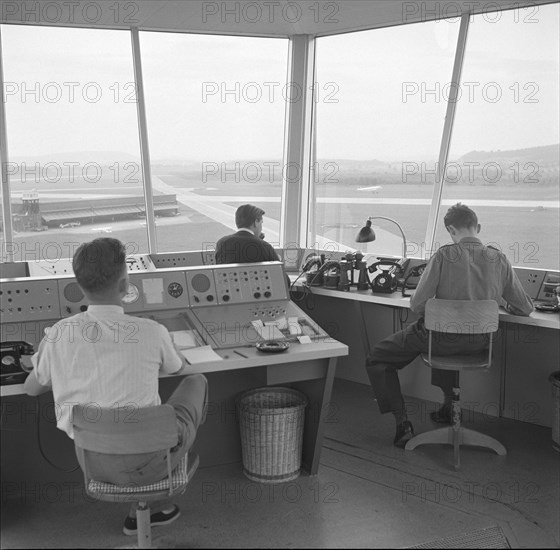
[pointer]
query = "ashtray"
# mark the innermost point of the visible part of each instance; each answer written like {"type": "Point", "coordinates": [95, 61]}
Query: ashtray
{"type": "Point", "coordinates": [548, 308]}
{"type": "Point", "coordinates": [272, 347]}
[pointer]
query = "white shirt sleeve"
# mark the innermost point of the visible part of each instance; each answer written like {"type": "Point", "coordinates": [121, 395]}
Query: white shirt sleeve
{"type": "Point", "coordinates": [171, 362]}
{"type": "Point", "coordinates": [41, 364]}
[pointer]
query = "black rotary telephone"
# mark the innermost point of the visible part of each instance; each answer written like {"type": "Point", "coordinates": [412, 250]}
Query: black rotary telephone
{"type": "Point", "coordinates": [13, 371]}
{"type": "Point", "coordinates": [412, 277]}
{"type": "Point", "coordinates": [387, 280]}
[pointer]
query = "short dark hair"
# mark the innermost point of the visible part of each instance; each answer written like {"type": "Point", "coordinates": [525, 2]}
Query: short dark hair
{"type": "Point", "coordinates": [460, 216]}
{"type": "Point", "coordinates": [247, 214]}
{"type": "Point", "coordinates": [99, 264]}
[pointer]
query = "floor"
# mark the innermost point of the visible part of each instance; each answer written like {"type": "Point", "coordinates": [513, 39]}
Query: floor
{"type": "Point", "coordinates": [368, 494]}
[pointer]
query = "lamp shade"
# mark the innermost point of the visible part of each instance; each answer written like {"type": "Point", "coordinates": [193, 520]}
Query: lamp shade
{"type": "Point", "coordinates": [366, 234]}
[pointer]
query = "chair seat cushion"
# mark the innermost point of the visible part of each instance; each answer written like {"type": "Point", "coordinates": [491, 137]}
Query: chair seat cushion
{"type": "Point", "coordinates": [458, 362]}
{"type": "Point", "coordinates": [179, 477]}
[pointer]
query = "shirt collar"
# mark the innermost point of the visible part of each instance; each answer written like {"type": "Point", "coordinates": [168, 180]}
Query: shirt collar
{"type": "Point", "coordinates": [470, 240]}
{"type": "Point", "coordinates": [106, 308]}
{"type": "Point", "coordinates": [245, 229]}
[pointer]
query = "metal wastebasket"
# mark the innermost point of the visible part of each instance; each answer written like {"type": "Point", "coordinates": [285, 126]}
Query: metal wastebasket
{"type": "Point", "coordinates": [555, 380]}
{"type": "Point", "coordinates": [271, 423]}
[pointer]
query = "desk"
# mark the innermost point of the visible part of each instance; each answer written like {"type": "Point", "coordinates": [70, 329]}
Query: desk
{"type": "Point", "coordinates": [527, 350]}
{"type": "Point", "coordinates": [309, 368]}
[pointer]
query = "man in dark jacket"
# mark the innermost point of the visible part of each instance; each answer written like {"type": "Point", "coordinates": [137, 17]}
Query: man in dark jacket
{"type": "Point", "coordinates": [248, 244]}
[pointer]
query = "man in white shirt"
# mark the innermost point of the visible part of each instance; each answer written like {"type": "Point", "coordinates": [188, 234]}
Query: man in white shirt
{"type": "Point", "coordinates": [110, 359]}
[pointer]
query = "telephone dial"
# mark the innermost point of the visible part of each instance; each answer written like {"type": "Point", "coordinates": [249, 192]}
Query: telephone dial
{"type": "Point", "coordinates": [387, 280]}
{"type": "Point", "coordinates": [10, 361]}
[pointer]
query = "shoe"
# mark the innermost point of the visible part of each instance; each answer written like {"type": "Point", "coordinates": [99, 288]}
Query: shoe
{"type": "Point", "coordinates": [405, 431]}
{"type": "Point", "coordinates": [443, 415]}
{"type": "Point", "coordinates": [159, 518]}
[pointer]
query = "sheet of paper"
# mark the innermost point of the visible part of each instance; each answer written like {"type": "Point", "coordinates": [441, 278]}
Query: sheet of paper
{"type": "Point", "coordinates": [184, 339]}
{"type": "Point", "coordinates": [202, 354]}
{"type": "Point", "coordinates": [308, 330]}
{"type": "Point", "coordinates": [269, 332]}
{"type": "Point", "coordinates": [281, 323]}
{"type": "Point", "coordinates": [294, 326]}
{"type": "Point", "coordinates": [153, 290]}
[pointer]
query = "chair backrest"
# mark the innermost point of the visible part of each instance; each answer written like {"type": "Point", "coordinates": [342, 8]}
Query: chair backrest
{"type": "Point", "coordinates": [462, 316]}
{"type": "Point", "coordinates": [124, 430]}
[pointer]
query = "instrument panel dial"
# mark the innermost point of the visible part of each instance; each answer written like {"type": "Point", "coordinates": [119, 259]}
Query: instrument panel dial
{"type": "Point", "coordinates": [175, 290]}
{"type": "Point", "coordinates": [131, 295]}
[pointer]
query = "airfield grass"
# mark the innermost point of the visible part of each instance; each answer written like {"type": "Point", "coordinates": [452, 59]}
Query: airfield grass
{"type": "Point", "coordinates": [527, 235]}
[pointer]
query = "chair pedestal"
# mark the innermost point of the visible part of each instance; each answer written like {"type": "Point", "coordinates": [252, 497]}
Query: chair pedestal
{"type": "Point", "coordinates": [462, 436]}
{"type": "Point", "coordinates": [143, 525]}
{"type": "Point", "coordinates": [458, 317]}
{"type": "Point", "coordinates": [158, 542]}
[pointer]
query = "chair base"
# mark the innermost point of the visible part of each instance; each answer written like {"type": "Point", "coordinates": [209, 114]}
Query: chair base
{"type": "Point", "coordinates": [465, 436]}
{"type": "Point", "coordinates": [158, 542]}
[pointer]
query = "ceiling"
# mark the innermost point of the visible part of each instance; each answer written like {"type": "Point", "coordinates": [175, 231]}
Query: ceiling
{"type": "Point", "coordinates": [247, 17]}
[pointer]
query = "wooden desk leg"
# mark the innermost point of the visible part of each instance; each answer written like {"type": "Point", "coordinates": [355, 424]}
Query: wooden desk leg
{"type": "Point", "coordinates": [318, 393]}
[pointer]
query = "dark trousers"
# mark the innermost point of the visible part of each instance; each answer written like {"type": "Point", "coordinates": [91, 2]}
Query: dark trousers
{"type": "Point", "coordinates": [398, 350]}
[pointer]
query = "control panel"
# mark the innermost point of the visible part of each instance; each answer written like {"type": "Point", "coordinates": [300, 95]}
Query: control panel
{"type": "Point", "coordinates": [539, 284]}
{"type": "Point", "coordinates": [255, 283]}
{"type": "Point", "coordinates": [208, 257]}
{"type": "Point", "coordinates": [201, 287]}
{"type": "Point", "coordinates": [550, 283]}
{"type": "Point", "coordinates": [139, 262]}
{"type": "Point", "coordinates": [147, 291]}
{"type": "Point", "coordinates": [63, 266]}
{"type": "Point", "coordinates": [163, 260]}
{"type": "Point", "coordinates": [227, 305]}
{"type": "Point", "coordinates": [49, 268]}
{"type": "Point", "coordinates": [156, 291]}
{"type": "Point", "coordinates": [29, 300]}
{"type": "Point", "coordinates": [245, 324]}
{"type": "Point", "coordinates": [9, 270]}
{"type": "Point", "coordinates": [72, 299]}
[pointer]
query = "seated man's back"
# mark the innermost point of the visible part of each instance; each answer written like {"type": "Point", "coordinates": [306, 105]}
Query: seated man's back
{"type": "Point", "coordinates": [248, 244]}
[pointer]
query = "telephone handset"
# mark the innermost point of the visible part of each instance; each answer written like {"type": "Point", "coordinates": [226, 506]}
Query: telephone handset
{"type": "Point", "coordinates": [315, 266]}
{"type": "Point", "coordinates": [12, 370]}
{"type": "Point", "coordinates": [311, 261]}
{"type": "Point", "coordinates": [387, 280]}
{"type": "Point", "coordinates": [415, 273]}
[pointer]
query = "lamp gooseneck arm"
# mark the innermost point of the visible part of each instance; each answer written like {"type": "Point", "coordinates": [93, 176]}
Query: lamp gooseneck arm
{"type": "Point", "coordinates": [398, 225]}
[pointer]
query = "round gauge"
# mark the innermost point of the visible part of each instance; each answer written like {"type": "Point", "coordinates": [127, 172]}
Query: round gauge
{"type": "Point", "coordinates": [175, 290]}
{"type": "Point", "coordinates": [200, 282]}
{"type": "Point", "coordinates": [73, 293]}
{"type": "Point", "coordinates": [132, 294]}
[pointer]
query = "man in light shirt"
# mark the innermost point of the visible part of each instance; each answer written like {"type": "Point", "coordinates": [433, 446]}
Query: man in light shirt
{"type": "Point", "coordinates": [464, 270]}
{"type": "Point", "coordinates": [106, 358]}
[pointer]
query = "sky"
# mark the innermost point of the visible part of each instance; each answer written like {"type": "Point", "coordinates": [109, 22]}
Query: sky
{"type": "Point", "coordinates": [380, 94]}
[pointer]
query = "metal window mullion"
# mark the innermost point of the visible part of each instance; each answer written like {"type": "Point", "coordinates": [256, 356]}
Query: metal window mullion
{"type": "Point", "coordinates": [144, 147]}
{"type": "Point", "coordinates": [314, 169]}
{"type": "Point", "coordinates": [297, 144]}
{"type": "Point", "coordinates": [6, 199]}
{"type": "Point", "coordinates": [447, 132]}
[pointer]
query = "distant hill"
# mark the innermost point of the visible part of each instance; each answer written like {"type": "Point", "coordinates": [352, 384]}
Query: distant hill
{"type": "Point", "coordinates": [544, 155]}
{"type": "Point", "coordinates": [81, 157]}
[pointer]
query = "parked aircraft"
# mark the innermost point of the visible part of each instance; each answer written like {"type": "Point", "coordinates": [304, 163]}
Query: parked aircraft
{"type": "Point", "coordinates": [373, 188]}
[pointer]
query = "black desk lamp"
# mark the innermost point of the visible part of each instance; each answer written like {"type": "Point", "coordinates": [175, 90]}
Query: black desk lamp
{"type": "Point", "coordinates": [367, 234]}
